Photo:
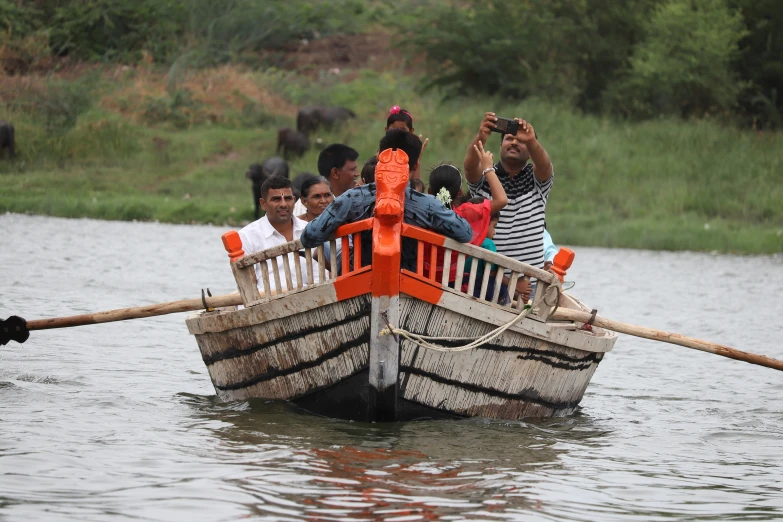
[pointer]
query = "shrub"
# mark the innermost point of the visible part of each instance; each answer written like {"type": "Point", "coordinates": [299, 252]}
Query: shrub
{"type": "Point", "coordinates": [684, 65]}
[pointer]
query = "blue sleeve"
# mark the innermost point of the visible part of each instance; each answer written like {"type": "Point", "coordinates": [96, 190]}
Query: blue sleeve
{"type": "Point", "coordinates": [349, 207]}
{"type": "Point", "coordinates": [549, 247]}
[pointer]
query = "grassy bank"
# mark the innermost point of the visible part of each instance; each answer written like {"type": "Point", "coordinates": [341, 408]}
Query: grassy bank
{"type": "Point", "coordinates": [143, 146]}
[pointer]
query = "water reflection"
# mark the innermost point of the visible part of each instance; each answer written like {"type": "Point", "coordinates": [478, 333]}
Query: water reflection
{"type": "Point", "coordinates": [300, 465]}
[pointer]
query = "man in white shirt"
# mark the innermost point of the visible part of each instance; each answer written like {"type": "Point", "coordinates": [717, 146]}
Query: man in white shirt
{"type": "Point", "coordinates": [277, 227]}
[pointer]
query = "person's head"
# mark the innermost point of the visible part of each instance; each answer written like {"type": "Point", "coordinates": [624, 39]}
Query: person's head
{"type": "Point", "coordinates": [416, 184]}
{"type": "Point", "coordinates": [399, 118]}
{"type": "Point", "coordinates": [277, 199]}
{"type": "Point", "coordinates": [405, 141]}
{"type": "Point", "coordinates": [316, 195]}
{"type": "Point", "coordinates": [368, 170]}
{"type": "Point", "coordinates": [448, 177]}
{"type": "Point", "coordinates": [337, 163]}
{"type": "Point", "coordinates": [513, 152]}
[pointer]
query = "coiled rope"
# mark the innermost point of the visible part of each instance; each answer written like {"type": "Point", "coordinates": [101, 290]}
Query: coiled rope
{"type": "Point", "coordinates": [423, 340]}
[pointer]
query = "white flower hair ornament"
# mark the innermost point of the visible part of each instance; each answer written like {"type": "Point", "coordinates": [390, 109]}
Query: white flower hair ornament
{"type": "Point", "coordinates": [444, 196]}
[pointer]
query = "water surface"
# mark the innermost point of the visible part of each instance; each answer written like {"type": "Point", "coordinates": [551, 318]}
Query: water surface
{"type": "Point", "coordinates": [120, 420]}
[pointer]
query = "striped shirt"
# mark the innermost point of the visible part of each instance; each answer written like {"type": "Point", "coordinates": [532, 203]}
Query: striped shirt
{"type": "Point", "coordinates": [519, 233]}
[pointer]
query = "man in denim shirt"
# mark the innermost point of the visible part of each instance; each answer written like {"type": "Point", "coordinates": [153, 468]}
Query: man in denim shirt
{"type": "Point", "coordinates": [421, 210]}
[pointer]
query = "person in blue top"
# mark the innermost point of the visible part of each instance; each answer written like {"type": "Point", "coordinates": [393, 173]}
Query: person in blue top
{"type": "Point", "coordinates": [421, 210]}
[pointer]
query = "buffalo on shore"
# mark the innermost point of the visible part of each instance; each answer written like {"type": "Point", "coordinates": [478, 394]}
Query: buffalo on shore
{"type": "Point", "coordinates": [291, 143]}
{"type": "Point", "coordinates": [7, 139]}
{"type": "Point", "coordinates": [299, 180]}
{"type": "Point", "coordinates": [259, 172]}
{"type": "Point", "coordinates": [312, 118]}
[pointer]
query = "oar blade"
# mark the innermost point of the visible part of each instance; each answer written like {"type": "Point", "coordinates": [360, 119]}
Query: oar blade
{"type": "Point", "coordinates": [13, 329]}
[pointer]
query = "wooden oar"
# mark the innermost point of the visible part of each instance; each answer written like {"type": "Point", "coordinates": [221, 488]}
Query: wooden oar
{"type": "Point", "coordinates": [668, 337]}
{"type": "Point", "coordinates": [17, 329]}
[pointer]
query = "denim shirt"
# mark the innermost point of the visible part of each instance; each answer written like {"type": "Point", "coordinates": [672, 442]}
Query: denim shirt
{"type": "Point", "coordinates": [421, 210]}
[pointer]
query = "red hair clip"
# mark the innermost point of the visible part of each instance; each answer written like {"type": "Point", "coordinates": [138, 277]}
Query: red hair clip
{"type": "Point", "coordinates": [394, 110]}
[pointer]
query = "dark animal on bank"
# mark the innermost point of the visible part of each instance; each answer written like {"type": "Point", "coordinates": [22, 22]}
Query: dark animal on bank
{"type": "Point", "coordinates": [299, 180]}
{"type": "Point", "coordinates": [291, 143]}
{"type": "Point", "coordinates": [312, 118]}
{"type": "Point", "coordinates": [259, 172]}
{"type": "Point", "coordinates": [7, 140]}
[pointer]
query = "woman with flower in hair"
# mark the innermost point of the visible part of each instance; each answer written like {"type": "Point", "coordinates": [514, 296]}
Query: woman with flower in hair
{"type": "Point", "coordinates": [446, 185]}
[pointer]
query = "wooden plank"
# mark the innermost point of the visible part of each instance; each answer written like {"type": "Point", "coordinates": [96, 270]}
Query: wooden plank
{"type": "Point", "coordinates": [346, 255]}
{"type": "Point", "coordinates": [357, 251]}
{"type": "Point", "coordinates": [512, 288]}
{"type": "Point", "coordinates": [289, 283]}
{"type": "Point", "coordinates": [498, 283]}
{"type": "Point", "coordinates": [265, 277]}
{"type": "Point", "coordinates": [269, 253]}
{"type": "Point", "coordinates": [276, 275]}
{"type": "Point", "coordinates": [446, 267]}
{"type": "Point", "coordinates": [319, 252]}
{"type": "Point", "coordinates": [472, 276]}
{"type": "Point", "coordinates": [460, 270]}
{"type": "Point", "coordinates": [309, 266]}
{"type": "Point", "coordinates": [246, 283]}
{"type": "Point", "coordinates": [433, 261]}
{"type": "Point", "coordinates": [298, 265]}
{"type": "Point", "coordinates": [484, 282]}
{"type": "Point", "coordinates": [333, 258]}
{"type": "Point", "coordinates": [420, 258]}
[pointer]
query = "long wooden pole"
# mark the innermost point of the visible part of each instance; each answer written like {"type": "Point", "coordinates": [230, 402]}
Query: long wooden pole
{"type": "Point", "coordinates": [668, 337]}
{"type": "Point", "coordinates": [136, 312]}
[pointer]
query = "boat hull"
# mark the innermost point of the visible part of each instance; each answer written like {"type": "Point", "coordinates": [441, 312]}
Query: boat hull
{"type": "Point", "coordinates": [312, 349]}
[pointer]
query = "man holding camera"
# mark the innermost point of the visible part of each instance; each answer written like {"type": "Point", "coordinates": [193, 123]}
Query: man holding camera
{"type": "Point", "coordinates": [519, 233]}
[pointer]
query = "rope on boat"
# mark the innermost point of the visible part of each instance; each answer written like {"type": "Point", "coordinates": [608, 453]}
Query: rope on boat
{"type": "Point", "coordinates": [423, 340]}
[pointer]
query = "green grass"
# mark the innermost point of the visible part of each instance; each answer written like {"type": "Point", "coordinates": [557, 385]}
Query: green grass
{"type": "Point", "coordinates": [663, 184]}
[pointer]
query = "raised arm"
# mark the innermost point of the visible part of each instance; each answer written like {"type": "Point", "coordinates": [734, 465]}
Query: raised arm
{"type": "Point", "coordinates": [496, 190]}
{"type": "Point", "coordinates": [472, 164]}
{"type": "Point", "coordinates": [542, 165]}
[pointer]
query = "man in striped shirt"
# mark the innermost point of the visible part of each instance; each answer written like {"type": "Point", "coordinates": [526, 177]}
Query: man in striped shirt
{"type": "Point", "coordinates": [519, 233]}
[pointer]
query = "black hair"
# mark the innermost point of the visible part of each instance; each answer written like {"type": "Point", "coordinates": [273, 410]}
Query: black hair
{"type": "Point", "coordinates": [416, 184]}
{"type": "Point", "coordinates": [311, 182]}
{"type": "Point", "coordinates": [334, 157]}
{"type": "Point", "coordinates": [403, 116]}
{"type": "Point", "coordinates": [368, 171]}
{"type": "Point", "coordinates": [275, 182]}
{"type": "Point", "coordinates": [447, 176]}
{"type": "Point", "coordinates": [405, 141]}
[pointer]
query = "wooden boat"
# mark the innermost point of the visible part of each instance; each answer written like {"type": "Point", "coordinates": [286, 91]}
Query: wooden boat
{"type": "Point", "coordinates": [345, 347]}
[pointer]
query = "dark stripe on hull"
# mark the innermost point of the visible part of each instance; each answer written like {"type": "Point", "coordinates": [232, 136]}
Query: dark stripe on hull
{"type": "Point", "coordinates": [561, 361]}
{"type": "Point", "coordinates": [233, 352]}
{"type": "Point", "coordinates": [274, 372]}
{"type": "Point", "coordinates": [525, 396]}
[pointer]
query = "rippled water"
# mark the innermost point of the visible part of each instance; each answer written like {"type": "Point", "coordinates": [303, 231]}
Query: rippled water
{"type": "Point", "coordinates": [120, 420]}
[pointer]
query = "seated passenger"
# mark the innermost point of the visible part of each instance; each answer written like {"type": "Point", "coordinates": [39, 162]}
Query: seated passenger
{"type": "Point", "coordinates": [487, 244]}
{"type": "Point", "coordinates": [368, 171]}
{"type": "Point", "coordinates": [421, 210]}
{"type": "Point", "coordinates": [399, 118]}
{"type": "Point", "coordinates": [277, 227]}
{"type": "Point", "coordinates": [316, 196]}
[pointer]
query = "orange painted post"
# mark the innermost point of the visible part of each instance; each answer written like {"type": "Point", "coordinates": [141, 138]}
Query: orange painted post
{"type": "Point", "coordinates": [346, 259]}
{"type": "Point", "coordinates": [357, 251]}
{"type": "Point", "coordinates": [391, 178]}
{"type": "Point", "coordinates": [562, 262]}
{"type": "Point", "coordinates": [233, 245]}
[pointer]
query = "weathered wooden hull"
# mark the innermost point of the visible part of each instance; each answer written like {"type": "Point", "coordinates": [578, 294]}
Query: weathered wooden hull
{"type": "Point", "coordinates": [312, 349]}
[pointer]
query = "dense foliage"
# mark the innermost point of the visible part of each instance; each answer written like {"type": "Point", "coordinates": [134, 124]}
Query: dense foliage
{"type": "Point", "coordinates": [628, 57]}
{"type": "Point", "coordinates": [634, 58]}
